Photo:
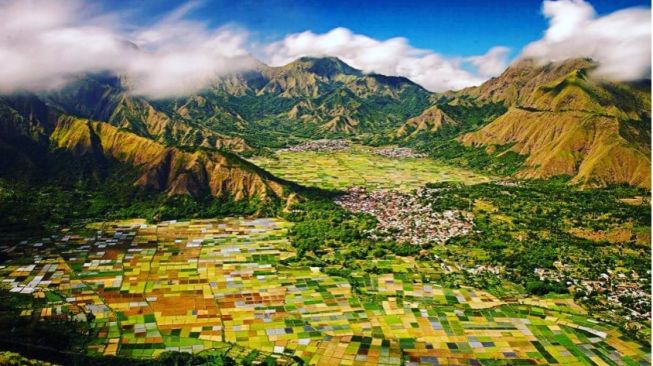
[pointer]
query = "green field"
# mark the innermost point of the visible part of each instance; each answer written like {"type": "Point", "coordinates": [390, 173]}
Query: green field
{"type": "Point", "coordinates": [361, 167]}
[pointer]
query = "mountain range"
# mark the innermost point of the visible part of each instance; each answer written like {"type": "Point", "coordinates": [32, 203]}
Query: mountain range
{"type": "Point", "coordinates": [561, 119]}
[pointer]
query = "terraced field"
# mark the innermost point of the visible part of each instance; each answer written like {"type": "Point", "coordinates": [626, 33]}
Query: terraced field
{"type": "Point", "coordinates": [359, 166]}
{"type": "Point", "coordinates": [221, 285]}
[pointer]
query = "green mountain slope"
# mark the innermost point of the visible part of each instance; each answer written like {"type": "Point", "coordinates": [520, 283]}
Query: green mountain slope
{"type": "Point", "coordinates": [310, 98]}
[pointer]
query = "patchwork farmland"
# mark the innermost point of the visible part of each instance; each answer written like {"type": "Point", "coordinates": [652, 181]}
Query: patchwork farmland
{"type": "Point", "coordinates": [229, 286]}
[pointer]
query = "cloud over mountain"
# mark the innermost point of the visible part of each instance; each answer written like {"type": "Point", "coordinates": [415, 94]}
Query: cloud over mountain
{"type": "Point", "coordinates": [44, 44]}
{"type": "Point", "coordinates": [620, 42]}
{"type": "Point", "coordinates": [394, 56]}
{"type": "Point", "coordinates": [493, 63]}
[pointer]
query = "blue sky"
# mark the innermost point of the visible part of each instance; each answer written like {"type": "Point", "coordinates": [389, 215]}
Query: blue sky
{"type": "Point", "coordinates": [460, 27]}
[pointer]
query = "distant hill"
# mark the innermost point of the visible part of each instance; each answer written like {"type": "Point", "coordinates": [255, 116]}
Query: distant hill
{"type": "Point", "coordinates": [308, 98]}
{"type": "Point", "coordinates": [432, 120]}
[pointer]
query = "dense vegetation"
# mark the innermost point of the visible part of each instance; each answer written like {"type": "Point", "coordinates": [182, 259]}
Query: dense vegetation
{"type": "Point", "coordinates": [322, 227]}
{"type": "Point", "coordinates": [474, 115]}
{"type": "Point", "coordinates": [27, 207]}
{"type": "Point", "coordinates": [527, 226]}
{"type": "Point", "coordinates": [499, 160]}
{"type": "Point", "coordinates": [521, 227]}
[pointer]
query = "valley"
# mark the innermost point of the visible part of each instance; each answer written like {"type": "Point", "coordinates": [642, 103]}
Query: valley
{"type": "Point", "coordinates": [356, 165]}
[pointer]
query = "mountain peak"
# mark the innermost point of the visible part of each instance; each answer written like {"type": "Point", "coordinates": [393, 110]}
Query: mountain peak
{"type": "Point", "coordinates": [524, 76]}
{"type": "Point", "coordinates": [569, 63]}
{"type": "Point", "coordinates": [324, 66]}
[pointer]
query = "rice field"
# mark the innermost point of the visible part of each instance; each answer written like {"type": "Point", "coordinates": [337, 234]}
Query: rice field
{"type": "Point", "coordinates": [203, 285]}
{"type": "Point", "coordinates": [359, 166]}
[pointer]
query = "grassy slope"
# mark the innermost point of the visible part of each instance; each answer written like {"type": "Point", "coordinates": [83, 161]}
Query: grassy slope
{"type": "Point", "coordinates": [168, 169]}
{"type": "Point", "coordinates": [592, 130]}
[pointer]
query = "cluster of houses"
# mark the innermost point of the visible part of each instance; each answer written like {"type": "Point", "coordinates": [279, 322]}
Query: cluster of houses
{"type": "Point", "coordinates": [336, 145]}
{"type": "Point", "coordinates": [404, 218]}
{"type": "Point", "coordinates": [323, 145]}
{"type": "Point", "coordinates": [398, 152]}
{"type": "Point", "coordinates": [620, 290]}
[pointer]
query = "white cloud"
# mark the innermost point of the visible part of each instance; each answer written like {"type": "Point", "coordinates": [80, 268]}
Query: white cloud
{"type": "Point", "coordinates": [493, 63]}
{"type": "Point", "coordinates": [394, 56]}
{"type": "Point", "coordinates": [44, 44]}
{"type": "Point", "coordinates": [620, 42]}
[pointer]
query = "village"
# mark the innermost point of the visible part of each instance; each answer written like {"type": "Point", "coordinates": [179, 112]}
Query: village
{"type": "Point", "coordinates": [404, 218]}
{"type": "Point", "coordinates": [323, 145]}
{"type": "Point", "coordinates": [398, 152]}
{"type": "Point", "coordinates": [338, 145]}
{"type": "Point", "coordinates": [622, 292]}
